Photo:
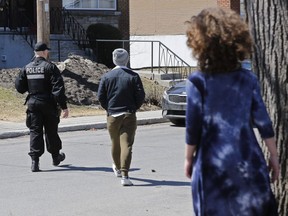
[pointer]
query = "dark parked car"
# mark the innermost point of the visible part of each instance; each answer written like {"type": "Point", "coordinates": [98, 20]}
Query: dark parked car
{"type": "Point", "coordinates": [174, 103]}
{"type": "Point", "coordinates": [174, 100]}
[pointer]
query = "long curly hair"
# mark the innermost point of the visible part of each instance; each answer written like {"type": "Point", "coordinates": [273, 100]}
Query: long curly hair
{"type": "Point", "coordinates": [219, 39]}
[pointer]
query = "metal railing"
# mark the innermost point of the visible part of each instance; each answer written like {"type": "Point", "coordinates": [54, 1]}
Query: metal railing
{"type": "Point", "coordinates": [62, 21]}
{"type": "Point", "coordinates": [173, 62]}
{"type": "Point", "coordinates": [21, 26]}
{"type": "Point", "coordinates": [159, 57]}
{"type": "Point", "coordinates": [162, 59]}
{"type": "Point", "coordinates": [26, 29]}
{"type": "Point", "coordinates": [166, 60]}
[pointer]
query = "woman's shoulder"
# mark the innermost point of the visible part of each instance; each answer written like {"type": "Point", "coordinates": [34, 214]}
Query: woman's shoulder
{"type": "Point", "coordinates": [197, 78]}
{"type": "Point", "coordinates": [248, 74]}
{"type": "Point", "coordinates": [196, 75]}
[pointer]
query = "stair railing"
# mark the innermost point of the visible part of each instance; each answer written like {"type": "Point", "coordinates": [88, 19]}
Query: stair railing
{"type": "Point", "coordinates": [168, 61]}
{"type": "Point", "coordinates": [26, 29]}
{"type": "Point", "coordinates": [63, 21]}
{"type": "Point", "coordinates": [172, 62]}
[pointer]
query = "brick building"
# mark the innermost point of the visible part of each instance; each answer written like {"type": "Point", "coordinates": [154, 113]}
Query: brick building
{"type": "Point", "coordinates": [232, 4]}
{"type": "Point", "coordinates": [164, 21]}
{"type": "Point", "coordinates": [136, 19]}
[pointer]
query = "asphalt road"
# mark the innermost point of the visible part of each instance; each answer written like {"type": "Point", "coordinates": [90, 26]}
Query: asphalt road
{"type": "Point", "coordinates": [84, 185]}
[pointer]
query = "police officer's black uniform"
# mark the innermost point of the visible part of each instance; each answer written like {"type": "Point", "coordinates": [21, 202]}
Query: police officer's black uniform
{"type": "Point", "coordinates": [45, 86]}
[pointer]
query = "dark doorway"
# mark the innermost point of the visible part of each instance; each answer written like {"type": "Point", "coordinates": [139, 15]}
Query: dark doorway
{"type": "Point", "coordinates": [18, 13]}
{"type": "Point", "coordinates": [27, 7]}
{"type": "Point", "coordinates": [4, 13]}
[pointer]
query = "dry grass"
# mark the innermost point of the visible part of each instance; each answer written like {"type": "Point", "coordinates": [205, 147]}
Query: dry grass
{"type": "Point", "coordinates": [153, 91]}
{"type": "Point", "coordinates": [12, 107]}
{"type": "Point", "coordinates": [76, 111]}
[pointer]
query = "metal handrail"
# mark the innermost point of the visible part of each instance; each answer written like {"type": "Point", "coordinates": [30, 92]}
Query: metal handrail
{"type": "Point", "coordinates": [168, 61]}
{"type": "Point", "coordinates": [22, 26]}
{"type": "Point", "coordinates": [63, 21]}
{"type": "Point", "coordinates": [170, 58]}
{"type": "Point", "coordinates": [26, 29]}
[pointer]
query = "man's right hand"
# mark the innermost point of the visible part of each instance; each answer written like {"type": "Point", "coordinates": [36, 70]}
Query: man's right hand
{"type": "Point", "coordinates": [65, 113]}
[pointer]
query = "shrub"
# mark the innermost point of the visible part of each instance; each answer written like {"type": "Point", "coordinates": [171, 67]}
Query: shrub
{"type": "Point", "coordinates": [153, 91]}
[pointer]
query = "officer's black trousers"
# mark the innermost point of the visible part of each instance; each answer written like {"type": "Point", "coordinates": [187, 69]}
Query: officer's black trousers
{"type": "Point", "coordinates": [43, 114]}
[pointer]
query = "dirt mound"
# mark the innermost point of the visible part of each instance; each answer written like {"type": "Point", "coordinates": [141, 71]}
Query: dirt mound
{"type": "Point", "coordinates": [82, 77]}
{"type": "Point", "coordinates": [7, 77]}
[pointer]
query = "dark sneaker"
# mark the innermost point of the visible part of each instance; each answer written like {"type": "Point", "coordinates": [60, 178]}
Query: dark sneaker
{"type": "Point", "coordinates": [35, 166]}
{"type": "Point", "coordinates": [58, 159]}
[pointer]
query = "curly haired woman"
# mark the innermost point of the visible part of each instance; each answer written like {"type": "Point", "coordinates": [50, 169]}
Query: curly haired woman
{"type": "Point", "coordinates": [226, 165]}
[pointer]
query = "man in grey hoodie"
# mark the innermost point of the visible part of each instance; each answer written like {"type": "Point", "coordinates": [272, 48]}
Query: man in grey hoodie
{"type": "Point", "coordinates": [121, 94]}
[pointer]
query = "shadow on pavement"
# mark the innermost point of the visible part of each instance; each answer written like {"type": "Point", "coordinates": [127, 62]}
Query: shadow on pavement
{"type": "Point", "coordinates": [151, 182]}
{"type": "Point", "coordinates": [147, 182]}
{"type": "Point", "coordinates": [69, 167]}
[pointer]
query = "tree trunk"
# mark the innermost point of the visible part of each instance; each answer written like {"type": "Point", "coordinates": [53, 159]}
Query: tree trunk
{"type": "Point", "coordinates": [268, 20]}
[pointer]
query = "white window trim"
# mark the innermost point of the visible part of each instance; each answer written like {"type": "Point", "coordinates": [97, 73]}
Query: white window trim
{"type": "Point", "coordinates": [98, 9]}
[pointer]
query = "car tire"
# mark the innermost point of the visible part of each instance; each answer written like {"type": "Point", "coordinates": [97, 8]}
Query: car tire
{"type": "Point", "coordinates": [178, 122]}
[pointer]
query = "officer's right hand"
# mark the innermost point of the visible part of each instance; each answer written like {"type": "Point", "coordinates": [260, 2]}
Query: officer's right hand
{"type": "Point", "coordinates": [65, 113]}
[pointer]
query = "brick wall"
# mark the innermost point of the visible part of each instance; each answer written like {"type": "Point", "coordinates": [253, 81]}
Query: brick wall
{"type": "Point", "coordinates": [87, 18]}
{"type": "Point", "coordinates": [231, 4]}
{"type": "Point", "coordinates": [235, 5]}
{"type": "Point", "coordinates": [163, 17]}
{"type": "Point", "coordinates": [118, 19]}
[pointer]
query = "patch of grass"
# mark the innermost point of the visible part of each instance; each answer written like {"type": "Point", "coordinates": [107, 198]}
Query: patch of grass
{"type": "Point", "coordinates": [11, 105]}
{"type": "Point", "coordinates": [76, 111]}
{"type": "Point", "coordinates": [153, 91]}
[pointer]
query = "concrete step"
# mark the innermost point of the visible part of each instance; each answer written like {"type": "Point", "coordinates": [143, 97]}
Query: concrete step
{"type": "Point", "coordinates": [162, 78]}
{"type": "Point", "coordinates": [156, 75]}
{"type": "Point", "coordinates": [168, 83]}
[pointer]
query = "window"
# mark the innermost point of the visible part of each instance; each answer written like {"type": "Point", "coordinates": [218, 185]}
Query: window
{"type": "Point", "coordinates": [90, 4]}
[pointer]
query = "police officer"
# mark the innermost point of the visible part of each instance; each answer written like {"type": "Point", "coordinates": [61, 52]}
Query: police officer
{"type": "Point", "coordinates": [46, 98]}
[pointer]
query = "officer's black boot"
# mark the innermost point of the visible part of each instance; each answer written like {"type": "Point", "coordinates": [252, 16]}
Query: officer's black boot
{"type": "Point", "coordinates": [58, 158]}
{"type": "Point", "coordinates": [35, 165]}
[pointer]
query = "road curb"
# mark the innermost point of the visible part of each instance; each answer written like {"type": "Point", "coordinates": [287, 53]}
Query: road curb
{"type": "Point", "coordinates": [13, 134]}
{"type": "Point", "coordinates": [79, 127]}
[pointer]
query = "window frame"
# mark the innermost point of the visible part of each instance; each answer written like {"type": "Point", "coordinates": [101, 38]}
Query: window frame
{"type": "Point", "coordinates": [94, 9]}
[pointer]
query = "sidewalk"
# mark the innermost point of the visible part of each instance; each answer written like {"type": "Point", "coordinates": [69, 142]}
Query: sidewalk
{"type": "Point", "coordinates": [15, 129]}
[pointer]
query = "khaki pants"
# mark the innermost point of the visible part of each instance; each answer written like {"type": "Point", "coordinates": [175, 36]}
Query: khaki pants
{"type": "Point", "coordinates": [122, 132]}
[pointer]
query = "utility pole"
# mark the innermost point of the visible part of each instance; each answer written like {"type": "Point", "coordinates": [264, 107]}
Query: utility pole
{"type": "Point", "coordinates": [43, 21]}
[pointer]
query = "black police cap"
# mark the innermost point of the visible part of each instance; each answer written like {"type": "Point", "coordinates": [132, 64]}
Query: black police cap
{"type": "Point", "coordinates": [40, 46]}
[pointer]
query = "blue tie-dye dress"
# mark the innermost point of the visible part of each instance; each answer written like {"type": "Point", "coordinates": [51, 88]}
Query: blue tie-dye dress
{"type": "Point", "coordinates": [230, 175]}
